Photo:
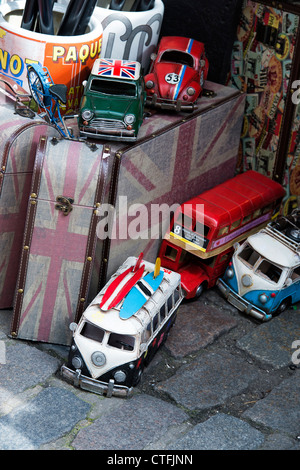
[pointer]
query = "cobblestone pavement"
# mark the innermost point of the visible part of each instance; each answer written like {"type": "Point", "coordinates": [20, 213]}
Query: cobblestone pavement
{"type": "Point", "coordinates": [222, 381]}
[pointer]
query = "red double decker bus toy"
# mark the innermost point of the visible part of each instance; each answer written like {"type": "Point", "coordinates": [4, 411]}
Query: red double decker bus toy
{"type": "Point", "coordinates": [200, 242]}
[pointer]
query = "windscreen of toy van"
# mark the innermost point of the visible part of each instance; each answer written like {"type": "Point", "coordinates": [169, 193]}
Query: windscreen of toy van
{"type": "Point", "coordinates": [269, 271]}
{"type": "Point", "coordinates": [111, 87]}
{"type": "Point", "coordinates": [265, 268]}
{"type": "Point", "coordinates": [92, 332]}
{"type": "Point", "coordinates": [118, 341]}
{"type": "Point", "coordinates": [249, 255]}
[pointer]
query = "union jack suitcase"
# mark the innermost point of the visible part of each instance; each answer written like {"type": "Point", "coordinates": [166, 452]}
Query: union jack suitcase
{"type": "Point", "coordinates": [19, 136]}
{"type": "Point", "coordinates": [68, 185]}
{"type": "Point", "coordinates": [176, 157]}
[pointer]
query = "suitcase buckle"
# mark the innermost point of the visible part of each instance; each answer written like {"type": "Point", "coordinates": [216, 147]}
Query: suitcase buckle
{"type": "Point", "coordinates": [64, 204]}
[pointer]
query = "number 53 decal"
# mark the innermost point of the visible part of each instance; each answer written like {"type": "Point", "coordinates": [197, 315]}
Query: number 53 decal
{"type": "Point", "coordinates": [172, 78]}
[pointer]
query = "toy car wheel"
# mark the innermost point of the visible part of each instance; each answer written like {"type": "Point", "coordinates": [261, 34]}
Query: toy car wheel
{"type": "Point", "coordinates": [283, 306]}
{"type": "Point", "coordinates": [138, 378]}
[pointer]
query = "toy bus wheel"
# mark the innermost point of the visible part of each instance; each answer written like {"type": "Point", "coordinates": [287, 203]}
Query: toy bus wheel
{"type": "Point", "coordinates": [199, 291]}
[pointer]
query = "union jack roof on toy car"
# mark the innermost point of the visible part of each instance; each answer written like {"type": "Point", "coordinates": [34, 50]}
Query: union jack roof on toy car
{"type": "Point", "coordinates": [117, 68]}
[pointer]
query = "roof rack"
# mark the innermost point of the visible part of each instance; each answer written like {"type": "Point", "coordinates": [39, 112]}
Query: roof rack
{"type": "Point", "coordinates": [282, 227]}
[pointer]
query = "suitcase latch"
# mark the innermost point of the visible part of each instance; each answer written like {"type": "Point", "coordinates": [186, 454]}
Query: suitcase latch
{"type": "Point", "coordinates": [64, 204]}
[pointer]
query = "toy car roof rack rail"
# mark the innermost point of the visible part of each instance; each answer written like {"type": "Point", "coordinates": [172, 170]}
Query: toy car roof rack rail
{"type": "Point", "coordinates": [286, 229]}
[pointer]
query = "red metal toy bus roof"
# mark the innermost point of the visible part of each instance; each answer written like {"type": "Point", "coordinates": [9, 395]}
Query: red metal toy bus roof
{"type": "Point", "coordinates": [237, 197]}
{"type": "Point", "coordinates": [230, 203]}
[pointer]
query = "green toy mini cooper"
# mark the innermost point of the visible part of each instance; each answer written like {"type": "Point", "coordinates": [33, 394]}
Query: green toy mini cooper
{"type": "Point", "coordinates": [112, 106]}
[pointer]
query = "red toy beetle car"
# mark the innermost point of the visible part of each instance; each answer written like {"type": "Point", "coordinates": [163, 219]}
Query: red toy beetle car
{"type": "Point", "coordinates": [177, 74]}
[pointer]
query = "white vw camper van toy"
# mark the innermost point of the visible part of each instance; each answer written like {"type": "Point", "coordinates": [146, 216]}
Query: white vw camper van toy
{"type": "Point", "coordinates": [122, 328]}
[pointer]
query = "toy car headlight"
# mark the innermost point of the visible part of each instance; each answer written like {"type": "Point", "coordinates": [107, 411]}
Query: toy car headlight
{"type": "Point", "coordinates": [229, 273]}
{"type": "Point", "coordinates": [77, 362]}
{"type": "Point", "coordinates": [98, 358]}
{"type": "Point", "coordinates": [120, 376]}
{"type": "Point", "coordinates": [149, 84]}
{"type": "Point", "coordinates": [263, 298]}
{"type": "Point", "coordinates": [191, 91]}
{"type": "Point", "coordinates": [87, 114]}
{"type": "Point", "coordinates": [247, 280]}
{"type": "Point", "coordinates": [129, 118]}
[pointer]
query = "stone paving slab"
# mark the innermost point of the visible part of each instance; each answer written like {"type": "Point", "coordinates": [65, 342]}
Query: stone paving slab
{"type": "Point", "coordinates": [5, 321]}
{"type": "Point", "coordinates": [279, 441]}
{"type": "Point", "coordinates": [271, 342]}
{"type": "Point", "coordinates": [202, 368]}
{"type": "Point", "coordinates": [210, 380]}
{"type": "Point", "coordinates": [280, 410]}
{"type": "Point", "coordinates": [52, 413]}
{"type": "Point", "coordinates": [197, 325]}
{"type": "Point", "coordinates": [139, 421]}
{"type": "Point", "coordinates": [221, 432]}
{"type": "Point", "coordinates": [24, 366]}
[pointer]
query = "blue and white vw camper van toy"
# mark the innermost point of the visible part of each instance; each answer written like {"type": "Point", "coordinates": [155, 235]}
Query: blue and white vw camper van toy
{"type": "Point", "coordinates": [263, 277]}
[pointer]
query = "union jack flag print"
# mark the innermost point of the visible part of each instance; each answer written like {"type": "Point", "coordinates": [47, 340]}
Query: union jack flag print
{"type": "Point", "coordinates": [118, 68]}
{"type": "Point", "coordinates": [170, 164]}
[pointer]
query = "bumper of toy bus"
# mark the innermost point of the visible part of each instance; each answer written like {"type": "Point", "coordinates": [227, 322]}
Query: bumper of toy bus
{"type": "Point", "coordinates": [101, 388]}
{"type": "Point", "coordinates": [241, 304]}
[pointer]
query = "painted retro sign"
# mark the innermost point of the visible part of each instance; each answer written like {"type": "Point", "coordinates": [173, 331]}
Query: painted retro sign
{"type": "Point", "coordinates": [261, 65]}
{"type": "Point", "coordinates": [68, 59]}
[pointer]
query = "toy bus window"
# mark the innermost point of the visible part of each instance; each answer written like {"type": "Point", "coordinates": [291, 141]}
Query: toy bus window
{"type": "Point", "coordinates": [183, 255]}
{"type": "Point", "coordinates": [146, 334]}
{"type": "Point", "coordinates": [235, 224]}
{"type": "Point", "coordinates": [202, 229]}
{"type": "Point", "coordinates": [267, 209]}
{"type": "Point", "coordinates": [155, 322]}
{"type": "Point", "coordinates": [249, 255]}
{"type": "Point", "coordinates": [178, 57]}
{"type": "Point", "coordinates": [296, 274]}
{"type": "Point", "coordinates": [125, 342]}
{"type": "Point", "coordinates": [176, 294]}
{"type": "Point", "coordinates": [246, 219]}
{"type": "Point", "coordinates": [209, 261]}
{"type": "Point", "coordinates": [171, 253]}
{"type": "Point", "coordinates": [223, 231]}
{"type": "Point", "coordinates": [257, 213]}
{"type": "Point", "coordinates": [224, 258]}
{"type": "Point", "coordinates": [269, 271]}
{"type": "Point", "coordinates": [110, 87]}
{"type": "Point", "coordinates": [92, 332]}
{"type": "Point", "coordinates": [185, 220]}
{"type": "Point", "coordinates": [162, 312]}
{"type": "Point", "coordinates": [170, 303]}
